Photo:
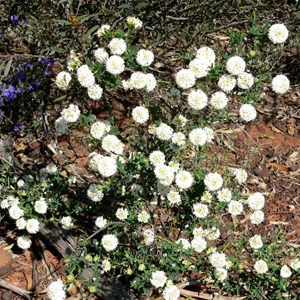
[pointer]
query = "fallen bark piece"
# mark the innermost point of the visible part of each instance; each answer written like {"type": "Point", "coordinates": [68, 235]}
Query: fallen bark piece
{"type": "Point", "coordinates": [15, 289]}
{"type": "Point", "coordinates": [5, 262]}
{"type": "Point", "coordinates": [195, 295]}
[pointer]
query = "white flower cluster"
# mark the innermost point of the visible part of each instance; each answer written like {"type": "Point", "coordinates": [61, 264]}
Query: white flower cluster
{"type": "Point", "coordinates": [278, 33]}
{"type": "Point", "coordinates": [144, 57]}
{"type": "Point", "coordinates": [122, 214]}
{"type": "Point", "coordinates": [63, 80]}
{"type": "Point", "coordinates": [197, 99]}
{"type": "Point", "coordinates": [95, 193]}
{"type": "Point", "coordinates": [109, 242]}
{"type": "Point", "coordinates": [73, 61]}
{"type": "Point", "coordinates": [248, 112]}
{"type": "Point", "coordinates": [70, 114]}
{"type": "Point", "coordinates": [98, 129]}
{"type": "Point", "coordinates": [102, 30]}
{"type": "Point", "coordinates": [56, 291]}
{"type": "Point", "coordinates": [140, 114]}
{"type": "Point", "coordinates": [85, 76]}
{"type": "Point", "coordinates": [185, 78]}
{"type": "Point", "coordinates": [213, 181]}
{"type": "Point", "coordinates": [115, 65]}
{"type": "Point", "coordinates": [158, 279]}
{"type": "Point", "coordinates": [135, 22]}
{"type": "Point", "coordinates": [280, 84]}
{"type": "Point", "coordinates": [139, 81]}
{"type": "Point", "coordinates": [149, 237]}
{"type": "Point", "coordinates": [23, 242]}
{"type": "Point", "coordinates": [117, 46]}
{"type": "Point", "coordinates": [67, 223]}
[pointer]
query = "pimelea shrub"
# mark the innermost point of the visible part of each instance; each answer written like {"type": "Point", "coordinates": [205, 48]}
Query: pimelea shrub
{"type": "Point", "coordinates": [161, 212]}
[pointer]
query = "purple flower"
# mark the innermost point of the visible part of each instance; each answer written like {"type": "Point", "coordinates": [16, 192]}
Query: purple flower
{"type": "Point", "coordinates": [18, 128]}
{"type": "Point", "coordinates": [34, 86]}
{"type": "Point", "coordinates": [21, 76]}
{"type": "Point", "coordinates": [28, 64]}
{"type": "Point", "coordinates": [10, 93]}
{"type": "Point", "coordinates": [14, 20]}
{"type": "Point", "coordinates": [48, 61]}
{"type": "Point", "coordinates": [47, 73]}
{"type": "Point", "coordinates": [19, 90]}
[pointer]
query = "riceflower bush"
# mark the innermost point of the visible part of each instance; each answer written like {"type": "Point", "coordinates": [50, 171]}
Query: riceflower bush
{"type": "Point", "coordinates": [159, 210]}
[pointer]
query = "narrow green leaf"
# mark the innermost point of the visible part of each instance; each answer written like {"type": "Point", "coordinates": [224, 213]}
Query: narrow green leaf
{"type": "Point", "coordinates": [7, 68]}
{"type": "Point", "coordinates": [60, 98]}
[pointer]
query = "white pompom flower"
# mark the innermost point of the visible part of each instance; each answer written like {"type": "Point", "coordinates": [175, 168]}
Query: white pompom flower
{"type": "Point", "coordinates": [101, 55]}
{"type": "Point", "coordinates": [117, 46]}
{"type": "Point", "coordinates": [40, 206]}
{"type": "Point", "coordinates": [107, 166]}
{"type": "Point", "coordinates": [257, 217]}
{"type": "Point", "coordinates": [23, 242]}
{"type": "Point", "coordinates": [144, 57]}
{"type": "Point", "coordinates": [171, 293]}
{"type": "Point", "coordinates": [158, 279]}
{"type": "Point", "coordinates": [235, 208]}
{"type": "Point", "coordinates": [206, 54]}
{"type": "Point", "coordinates": [280, 84]}
{"type": "Point", "coordinates": [164, 132]}
{"type": "Point", "coordinates": [285, 272]}
{"type": "Point", "coordinates": [198, 137]}
{"type": "Point", "coordinates": [109, 242]}
{"type": "Point", "coordinates": [71, 114]}
{"type": "Point", "coordinates": [66, 223]}
{"type": "Point", "coordinates": [138, 80]}
{"type": "Point", "coordinates": [157, 158]}
{"type": "Point", "coordinates": [213, 181]}
{"type": "Point", "coordinates": [15, 212]}
{"type": "Point", "coordinates": [256, 201]}
{"type": "Point", "coordinates": [184, 179]}
{"type": "Point", "coordinates": [100, 222]}
{"type": "Point", "coordinates": [256, 242]}
{"type": "Point", "coordinates": [199, 67]}
{"type": "Point", "coordinates": [95, 193]}
{"type": "Point", "coordinates": [227, 83]}
{"type": "Point", "coordinates": [235, 65]}
{"type": "Point", "coordinates": [32, 226]}
{"type": "Point", "coordinates": [200, 210]}
{"type": "Point", "coordinates": [218, 100]}
{"type": "Point", "coordinates": [56, 291]}
{"type": "Point", "coordinates": [135, 22]}
{"type": "Point", "coordinates": [122, 213]}
{"type": "Point", "coordinates": [247, 112]}
{"type": "Point", "coordinates": [245, 80]}
{"type": "Point", "coordinates": [98, 129]}
{"type": "Point", "coordinates": [85, 76]}
{"type": "Point", "coordinates": [102, 30]}
{"type": "Point", "coordinates": [150, 82]}
{"type": "Point", "coordinates": [197, 99]}
{"type": "Point", "coordinates": [261, 267]}
{"type": "Point", "coordinates": [140, 114]}
{"type": "Point", "coordinates": [278, 33]}
{"type": "Point", "coordinates": [115, 65]}
{"type": "Point", "coordinates": [63, 80]}
{"type": "Point", "coordinates": [198, 244]}
{"type": "Point", "coordinates": [185, 78]}
{"type": "Point", "coordinates": [95, 92]}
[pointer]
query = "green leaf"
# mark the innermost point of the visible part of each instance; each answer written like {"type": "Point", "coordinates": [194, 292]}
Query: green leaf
{"type": "Point", "coordinates": [60, 98]}
{"type": "Point", "coordinates": [88, 34]}
{"type": "Point", "coordinates": [62, 22]}
{"type": "Point", "coordinates": [7, 68]}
